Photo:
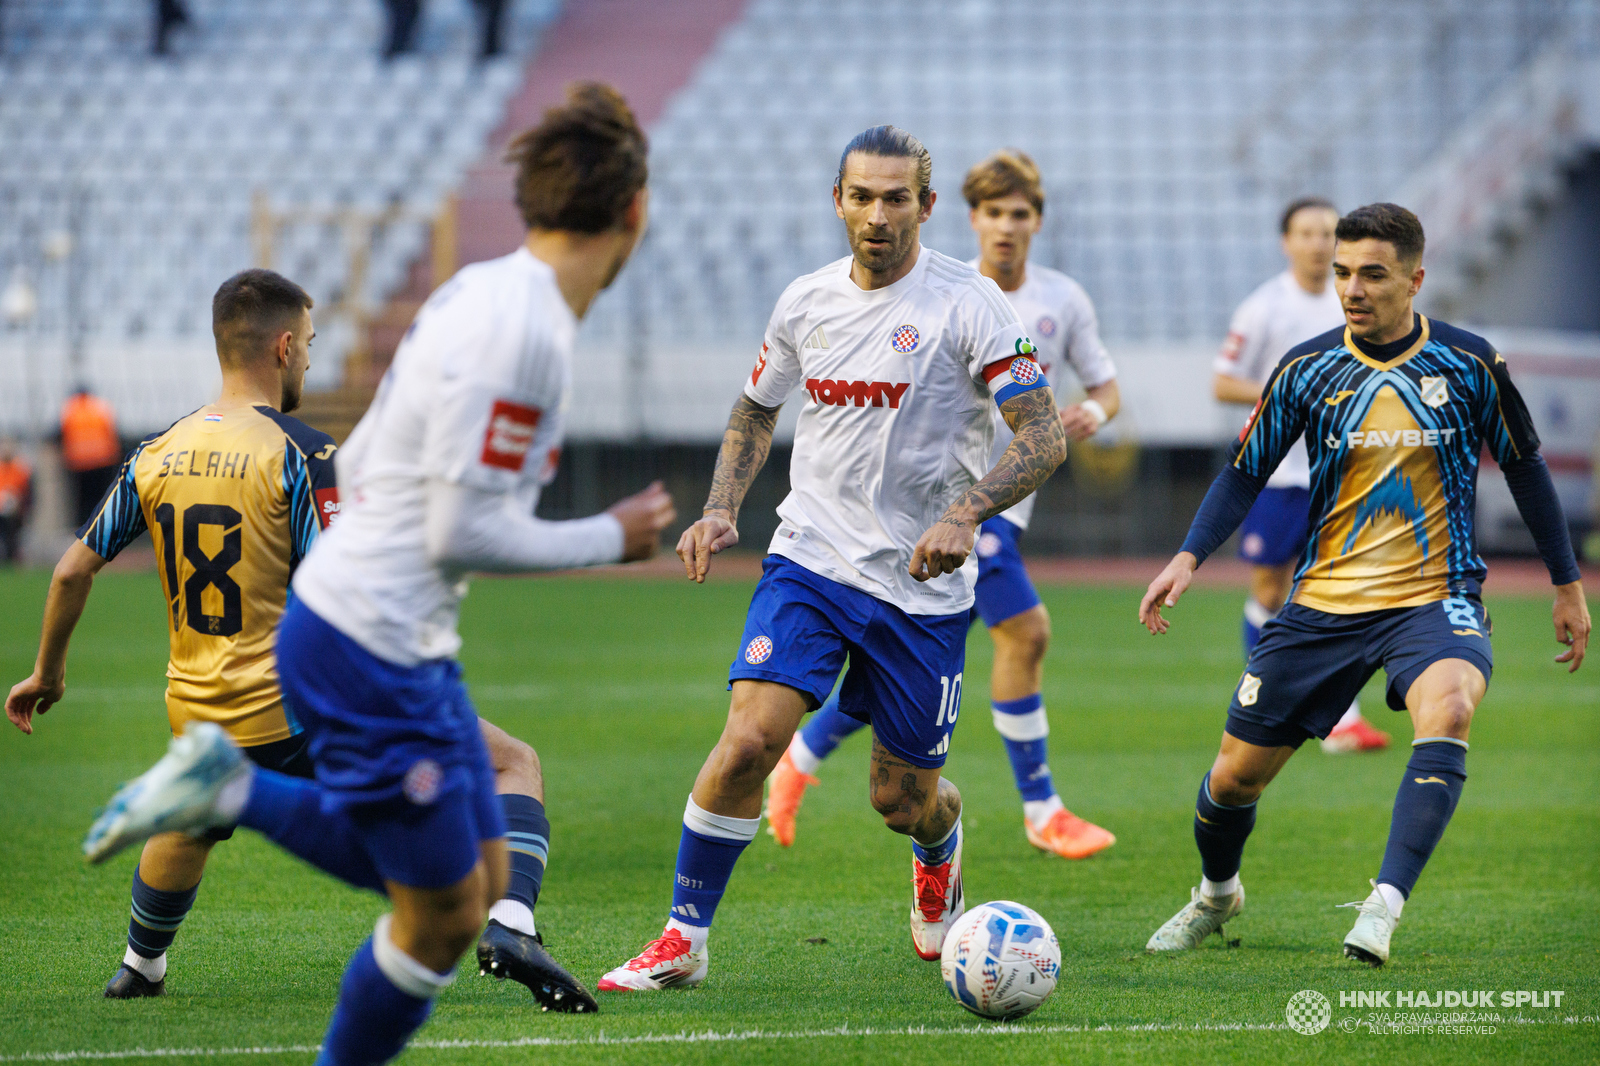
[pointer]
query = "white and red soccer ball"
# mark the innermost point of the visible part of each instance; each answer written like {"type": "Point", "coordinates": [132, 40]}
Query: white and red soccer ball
{"type": "Point", "coordinates": [1000, 960]}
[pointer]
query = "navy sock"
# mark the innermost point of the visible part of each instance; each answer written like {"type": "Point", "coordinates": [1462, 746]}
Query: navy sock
{"type": "Point", "coordinates": [1220, 832]}
{"type": "Point", "coordinates": [528, 840]}
{"type": "Point", "coordinates": [1428, 795]}
{"type": "Point", "coordinates": [1023, 727]}
{"type": "Point", "coordinates": [707, 851]}
{"type": "Point", "coordinates": [289, 811]}
{"type": "Point", "coordinates": [373, 1018]}
{"type": "Point", "coordinates": [828, 727]}
{"type": "Point", "coordinates": [156, 917]}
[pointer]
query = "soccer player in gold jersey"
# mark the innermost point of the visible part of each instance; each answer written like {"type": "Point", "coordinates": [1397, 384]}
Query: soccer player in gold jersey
{"type": "Point", "coordinates": [233, 496]}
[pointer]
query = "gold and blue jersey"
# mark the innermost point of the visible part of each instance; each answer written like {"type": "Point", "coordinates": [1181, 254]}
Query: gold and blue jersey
{"type": "Point", "coordinates": [233, 501]}
{"type": "Point", "coordinates": [1394, 446]}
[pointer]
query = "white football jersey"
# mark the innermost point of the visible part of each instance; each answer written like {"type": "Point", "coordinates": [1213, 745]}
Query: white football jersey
{"type": "Point", "coordinates": [897, 419]}
{"type": "Point", "coordinates": [1270, 321]}
{"type": "Point", "coordinates": [476, 396]}
{"type": "Point", "coordinates": [1060, 318]}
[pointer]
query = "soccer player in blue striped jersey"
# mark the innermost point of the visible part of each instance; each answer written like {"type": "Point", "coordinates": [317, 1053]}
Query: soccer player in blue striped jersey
{"type": "Point", "coordinates": [1395, 410]}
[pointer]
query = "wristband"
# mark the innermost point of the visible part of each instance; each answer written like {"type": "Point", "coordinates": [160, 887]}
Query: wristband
{"type": "Point", "coordinates": [1098, 412]}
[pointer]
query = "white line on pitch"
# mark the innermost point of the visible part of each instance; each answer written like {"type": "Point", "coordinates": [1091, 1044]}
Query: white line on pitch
{"type": "Point", "coordinates": [707, 1037]}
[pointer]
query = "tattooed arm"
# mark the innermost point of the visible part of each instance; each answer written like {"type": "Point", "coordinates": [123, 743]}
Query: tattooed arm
{"type": "Point", "coordinates": [1033, 455]}
{"type": "Point", "coordinates": [745, 444]}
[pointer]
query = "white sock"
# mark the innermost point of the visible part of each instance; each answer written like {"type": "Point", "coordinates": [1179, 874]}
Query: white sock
{"type": "Point", "coordinates": [1351, 716]}
{"type": "Point", "coordinates": [234, 795]}
{"type": "Point", "coordinates": [696, 934]}
{"type": "Point", "coordinates": [1219, 889]}
{"type": "Point", "coordinates": [1039, 812]}
{"type": "Point", "coordinates": [1393, 899]}
{"type": "Point", "coordinates": [805, 760]}
{"type": "Point", "coordinates": [513, 914]}
{"type": "Point", "coordinates": [150, 969]}
{"type": "Point", "coordinates": [1256, 613]}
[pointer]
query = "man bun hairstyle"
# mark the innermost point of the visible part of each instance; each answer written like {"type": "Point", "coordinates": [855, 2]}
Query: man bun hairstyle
{"type": "Point", "coordinates": [582, 165]}
{"type": "Point", "coordinates": [891, 142]}
{"type": "Point", "coordinates": [250, 309]}
{"type": "Point", "coordinates": [1008, 172]}
{"type": "Point", "coordinates": [1384, 222]}
{"type": "Point", "coordinates": [1304, 203]}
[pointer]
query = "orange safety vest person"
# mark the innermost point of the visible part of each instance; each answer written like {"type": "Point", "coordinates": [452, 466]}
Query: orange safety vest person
{"type": "Point", "coordinates": [15, 478]}
{"type": "Point", "coordinates": [88, 433]}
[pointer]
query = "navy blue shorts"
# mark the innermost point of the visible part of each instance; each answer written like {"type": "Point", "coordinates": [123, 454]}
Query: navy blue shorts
{"type": "Point", "coordinates": [905, 669]}
{"type": "Point", "coordinates": [1003, 590]}
{"type": "Point", "coordinates": [1275, 530]}
{"type": "Point", "coordinates": [1309, 665]}
{"type": "Point", "coordinates": [397, 747]}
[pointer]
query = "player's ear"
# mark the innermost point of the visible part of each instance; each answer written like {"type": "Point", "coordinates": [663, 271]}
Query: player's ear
{"type": "Point", "coordinates": [927, 207]}
{"type": "Point", "coordinates": [838, 200]}
{"type": "Point", "coordinates": [637, 214]}
{"type": "Point", "coordinates": [1416, 279]}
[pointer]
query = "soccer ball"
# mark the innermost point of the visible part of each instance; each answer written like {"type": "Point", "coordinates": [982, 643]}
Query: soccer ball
{"type": "Point", "coordinates": [1000, 960]}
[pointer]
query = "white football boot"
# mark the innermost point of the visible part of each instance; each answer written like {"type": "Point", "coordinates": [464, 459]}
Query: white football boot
{"type": "Point", "coordinates": [1200, 917]}
{"type": "Point", "coordinates": [936, 901]}
{"type": "Point", "coordinates": [668, 961]}
{"type": "Point", "coordinates": [1368, 942]}
{"type": "Point", "coordinates": [179, 792]}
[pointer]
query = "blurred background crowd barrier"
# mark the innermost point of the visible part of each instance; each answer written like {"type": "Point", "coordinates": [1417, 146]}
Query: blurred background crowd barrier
{"type": "Point", "coordinates": [144, 158]}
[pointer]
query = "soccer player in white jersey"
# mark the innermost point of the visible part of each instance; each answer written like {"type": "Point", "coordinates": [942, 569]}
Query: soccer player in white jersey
{"type": "Point", "coordinates": [1005, 197]}
{"type": "Point", "coordinates": [901, 353]}
{"type": "Point", "coordinates": [441, 478]}
{"type": "Point", "coordinates": [1291, 307]}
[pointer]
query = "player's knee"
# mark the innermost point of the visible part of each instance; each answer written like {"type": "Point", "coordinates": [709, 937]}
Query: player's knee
{"type": "Point", "coordinates": [747, 756]}
{"type": "Point", "coordinates": [1236, 786]}
{"type": "Point", "coordinates": [902, 816]}
{"type": "Point", "coordinates": [1023, 639]}
{"type": "Point", "coordinates": [1450, 715]}
{"type": "Point", "coordinates": [518, 757]}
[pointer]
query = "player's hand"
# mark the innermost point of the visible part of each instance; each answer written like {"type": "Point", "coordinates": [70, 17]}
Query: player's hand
{"type": "Point", "coordinates": [714, 532]}
{"type": "Point", "coordinates": [943, 548]}
{"type": "Point", "coordinates": [643, 516]}
{"type": "Point", "coordinates": [1078, 424]}
{"type": "Point", "coordinates": [1165, 590]}
{"type": "Point", "coordinates": [1571, 616]}
{"type": "Point", "coordinates": [30, 696]}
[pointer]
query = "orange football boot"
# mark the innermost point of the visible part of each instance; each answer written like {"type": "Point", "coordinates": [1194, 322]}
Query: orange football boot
{"type": "Point", "coordinates": [1069, 836]}
{"type": "Point", "coordinates": [788, 786]}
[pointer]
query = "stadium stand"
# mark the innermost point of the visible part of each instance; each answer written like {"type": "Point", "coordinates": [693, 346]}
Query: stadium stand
{"type": "Point", "coordinates": [1170, 134]}
{"type": "Point", "coordinates": [126, 180]}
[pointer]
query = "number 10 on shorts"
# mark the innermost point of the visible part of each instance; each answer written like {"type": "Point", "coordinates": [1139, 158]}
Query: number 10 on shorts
{"type": "Point", "coordinates": [949, 700]}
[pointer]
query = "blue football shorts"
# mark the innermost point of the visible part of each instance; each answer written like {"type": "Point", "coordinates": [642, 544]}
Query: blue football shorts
{"type": "Point", "coordinates": [905, 669]}
{"type": "Point", "coordinates": [397, 747]}
{"type": "Point", "coordinates": [1276, 529]}
{"type": "Point", "coordinates": [1309, 665]}
{"type": "Point", "coordinates": [1003, 589]}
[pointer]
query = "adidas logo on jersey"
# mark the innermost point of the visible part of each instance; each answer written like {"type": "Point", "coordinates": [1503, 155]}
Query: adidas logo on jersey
{"type": "Point", "coordinates": [818, 340]}
{"type": "Point", "coordinates": [840, 393]}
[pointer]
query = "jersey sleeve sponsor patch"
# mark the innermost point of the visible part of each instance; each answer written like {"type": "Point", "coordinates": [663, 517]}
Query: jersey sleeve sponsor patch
{"type": "Point", "coordinates": [327, 505]}
{"type": "Point", "coordinates": [509, 435]}
{"type": "Point", "coordinates": [1014, 376]}
{"type": "Point", "coordinates": [761, 364]}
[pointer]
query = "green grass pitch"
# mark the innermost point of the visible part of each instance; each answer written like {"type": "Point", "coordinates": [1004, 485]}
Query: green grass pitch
{"type": "Point", "coordinates": [617, 682]}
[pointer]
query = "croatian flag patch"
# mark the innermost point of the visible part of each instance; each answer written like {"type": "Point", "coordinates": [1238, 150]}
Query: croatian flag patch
{"type": "Point", "coordinates": [212, 418]}
{"type": "Point", "coordinates": [1014, 376]}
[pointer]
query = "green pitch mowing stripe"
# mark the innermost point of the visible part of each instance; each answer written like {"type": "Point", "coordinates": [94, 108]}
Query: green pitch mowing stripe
{"type": "Point", "coordinates": [619, 684]}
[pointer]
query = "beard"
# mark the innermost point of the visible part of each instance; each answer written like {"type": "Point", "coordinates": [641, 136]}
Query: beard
{"type": "Point", "coordinates": [884, 259]}
{"type": "Point", "coordinates": [290, 398]}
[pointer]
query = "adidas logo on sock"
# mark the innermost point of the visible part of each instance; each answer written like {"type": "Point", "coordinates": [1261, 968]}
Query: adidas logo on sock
{"type": "Point", "coordinates": [686, 911]}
